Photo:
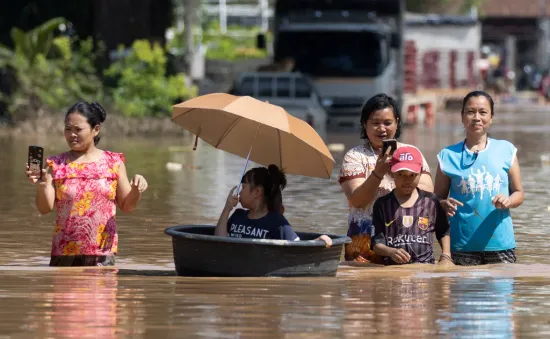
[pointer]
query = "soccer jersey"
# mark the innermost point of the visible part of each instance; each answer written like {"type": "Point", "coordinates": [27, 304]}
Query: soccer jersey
{"type": "Point", "coordinates": [410, 228]}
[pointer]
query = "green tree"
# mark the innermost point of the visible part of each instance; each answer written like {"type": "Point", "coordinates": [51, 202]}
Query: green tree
{"type": "Point", "coordinates": [142, 87]}
{"type": "Point", "coordinates": [49, 73]}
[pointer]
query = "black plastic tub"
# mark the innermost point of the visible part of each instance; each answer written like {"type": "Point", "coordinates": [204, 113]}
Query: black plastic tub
{"type": "Point", "coordinates": [197, 252]}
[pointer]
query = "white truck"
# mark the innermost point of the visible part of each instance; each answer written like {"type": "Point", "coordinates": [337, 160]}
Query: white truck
{"type": "Point", "coordinates": [290, 90]}
{"type": "Point", "coordinates": [350, 48]}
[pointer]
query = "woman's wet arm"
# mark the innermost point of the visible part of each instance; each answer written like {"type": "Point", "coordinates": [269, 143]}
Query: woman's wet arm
{"type": "Point", "coordinates": [442, 184]}
{"type": "Point", "coordinates": [45, 194]}
{"type": "Point", "coordinates": [426, 183]}
{"type": "Point", "coordinates": [126, 197]}
{"type": "Point", "coordinates": [516, 188]}
{"type": "Point", "coordinates": [361, 192]}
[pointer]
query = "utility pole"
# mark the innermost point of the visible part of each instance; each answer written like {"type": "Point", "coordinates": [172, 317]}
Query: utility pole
{"type": "Point", "coordinates": [189, 20]}
{"type": "Point", "coordinates": [264, 8]}
{"type": "Point", "coordinates": [544, 36]}
{"type": "Point", "coordinates": [223, 16]}
{"type": "Point", "coordinates": [400, 57]}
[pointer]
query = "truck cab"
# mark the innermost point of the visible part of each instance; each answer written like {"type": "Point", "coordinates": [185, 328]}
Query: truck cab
{"type": "Point", "coordinates": [348, 48]}
{"type": "Point", "coordinates": [290, 90]}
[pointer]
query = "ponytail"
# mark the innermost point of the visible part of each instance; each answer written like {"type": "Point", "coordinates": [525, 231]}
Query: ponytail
{"type": "Point", "coordinates": [278, 184]}
{"type": "Point", "coordinates": [273, 181]}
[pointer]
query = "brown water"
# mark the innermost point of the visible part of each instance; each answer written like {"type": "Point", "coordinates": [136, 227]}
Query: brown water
{"type": "Point", "coordinates": [142, 298]}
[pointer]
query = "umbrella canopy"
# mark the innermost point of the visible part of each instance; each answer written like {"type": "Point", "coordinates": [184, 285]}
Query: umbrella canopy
{"type": "Point", "coordinates": [235, 124]}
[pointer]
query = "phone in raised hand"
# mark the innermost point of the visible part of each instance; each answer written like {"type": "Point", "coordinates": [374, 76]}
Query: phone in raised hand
{"type": "Point", "coordinates": [36, 160]}
{"type": "Point", "coordinates": [389, 143]}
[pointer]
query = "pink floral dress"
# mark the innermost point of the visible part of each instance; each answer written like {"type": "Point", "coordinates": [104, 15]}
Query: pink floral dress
{"type": "Point", "coordinates": [85, 203]}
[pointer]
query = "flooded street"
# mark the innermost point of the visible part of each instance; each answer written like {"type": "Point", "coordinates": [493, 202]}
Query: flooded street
{"type": "Point", "coordinates": [141, 297]}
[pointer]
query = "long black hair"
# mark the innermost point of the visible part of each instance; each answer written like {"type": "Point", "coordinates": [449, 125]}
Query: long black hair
{"type": "Point", "coordinates": [93, 112]}
{"type": "Point", "coordinates": [376, 103]}
{"type": "Point", "coordinates": [272, 180]}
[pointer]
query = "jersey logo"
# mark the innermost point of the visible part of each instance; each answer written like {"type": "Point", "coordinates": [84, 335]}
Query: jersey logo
{"type": "Point", "coordinates": [423, 223]}
{"type": "Point", "coordinates": [389, 223]}
{"type": "Point", "coordinates": [408, 221]}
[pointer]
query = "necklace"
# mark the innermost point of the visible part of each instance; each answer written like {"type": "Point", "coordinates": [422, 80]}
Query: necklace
{"type": "Point", "coordinates": [476, 152]}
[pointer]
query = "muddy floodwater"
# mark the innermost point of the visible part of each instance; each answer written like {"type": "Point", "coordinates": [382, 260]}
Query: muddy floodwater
{"type": "Point", "coordinates": [142, 298]}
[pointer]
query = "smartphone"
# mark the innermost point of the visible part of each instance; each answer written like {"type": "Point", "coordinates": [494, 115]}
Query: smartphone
{"type": "Point", "coordinates": [389, 143]}
{"type": "Point", "coordinates": [36, 160]}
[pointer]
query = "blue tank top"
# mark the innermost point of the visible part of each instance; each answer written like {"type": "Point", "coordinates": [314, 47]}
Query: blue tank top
{"type": "Point", "coordinates": [478, 226]}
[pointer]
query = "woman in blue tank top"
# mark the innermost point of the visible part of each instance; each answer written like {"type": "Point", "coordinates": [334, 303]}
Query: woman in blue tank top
{"type": "Point", "coordinates": [478, 181]}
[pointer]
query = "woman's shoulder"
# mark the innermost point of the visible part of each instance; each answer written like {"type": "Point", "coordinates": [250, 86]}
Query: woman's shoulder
{"type": "Point", "coordinates": [358, 153]}
{"type": "Point", "coordinates": [359, 149]}
{"type": "Point", "coordinates": [61, 157]}
{"type": "Point", "coordinates": [502, 143]}
{"type": "Point", "coordinates": [454, 148]}
{"type": "Point", "coordinates": [56, 160]}
{"type": "Point", "coordinates": [114, 156]}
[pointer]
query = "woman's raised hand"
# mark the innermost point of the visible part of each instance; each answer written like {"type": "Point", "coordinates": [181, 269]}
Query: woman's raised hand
{"type": "Point", "coordinates": [383, 164]}
{"type": "Point", "coordinates": [33, 176]}
{"type": "Point", "coordinates": [139, 182]}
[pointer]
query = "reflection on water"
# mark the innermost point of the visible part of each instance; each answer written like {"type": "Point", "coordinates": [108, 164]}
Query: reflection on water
{"type": "Point", "coordinates": [143, 298]}
{"type": "Point", "coordinates": [409, 302]}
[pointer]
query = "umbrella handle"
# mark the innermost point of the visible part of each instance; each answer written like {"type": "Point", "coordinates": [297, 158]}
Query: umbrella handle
{"type": "Point", "coordinates": [236, 192]}
{"type": "Point", "coordinates": [196, 139]}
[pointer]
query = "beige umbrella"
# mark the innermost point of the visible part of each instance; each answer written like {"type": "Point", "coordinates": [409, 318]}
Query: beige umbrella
{"type": "Point", "coordinates": [256, 130]}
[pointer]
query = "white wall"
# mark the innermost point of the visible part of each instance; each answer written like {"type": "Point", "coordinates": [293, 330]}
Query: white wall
{"type": "Point", "coordinates": [444, 39]}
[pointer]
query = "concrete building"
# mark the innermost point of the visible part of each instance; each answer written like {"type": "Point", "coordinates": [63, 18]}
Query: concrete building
{"type": "Point", "coordinates": [520, 25]}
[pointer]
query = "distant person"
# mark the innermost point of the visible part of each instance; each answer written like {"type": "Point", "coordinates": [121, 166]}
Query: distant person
{"type": "Point", "coordinates": [482, 231]}
{"type": "Point", "coordinates": [261, 217]}
{"type": "Point", "coordinates": [85, 185]}
{"type": "Point", "coordinates": [544, 87]}
{"type": "Point", "coordinates": [405, 219]}
{"type": "Point", "coordinates": [483, 66]}
{"type": "Point", "coordinates": [365, 174]}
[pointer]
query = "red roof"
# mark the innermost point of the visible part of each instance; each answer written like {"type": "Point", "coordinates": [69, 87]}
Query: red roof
{"type": "Point", "coordinates": [513, 8]}
{"type": "Point", "coordinates": [494, 8]}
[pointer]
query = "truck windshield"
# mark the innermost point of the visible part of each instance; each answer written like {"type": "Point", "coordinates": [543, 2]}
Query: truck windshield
{"type": "Point", "coordinates": [276, 87]}
{"type": "Point", "coordinates": [333, 54]}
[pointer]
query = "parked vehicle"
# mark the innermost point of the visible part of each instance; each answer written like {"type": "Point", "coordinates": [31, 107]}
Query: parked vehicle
{"type": "Point", "coordinates": [291, 90]}
{"type": "Point", "coordinates": [348, 48]}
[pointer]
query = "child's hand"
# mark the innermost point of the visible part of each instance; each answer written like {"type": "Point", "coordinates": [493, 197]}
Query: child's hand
{"type": "Point", "coordinates": [232, 200]}
{"type": "Point", "coordinates": [400, 256]}
{"type": "Point", "coordinates": [326, 239]}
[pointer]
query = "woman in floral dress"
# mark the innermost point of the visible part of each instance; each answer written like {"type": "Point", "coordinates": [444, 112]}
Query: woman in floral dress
{"type": "Point", "coordinates": [85, 185]}
{"type": "Point", "coordinates": [365, 174]}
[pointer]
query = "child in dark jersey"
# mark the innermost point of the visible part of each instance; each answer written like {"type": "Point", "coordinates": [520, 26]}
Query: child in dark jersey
{"type": "Point", "coordinates": [405, 219]}
{"type": "Point", "coordinates": [262, 217]}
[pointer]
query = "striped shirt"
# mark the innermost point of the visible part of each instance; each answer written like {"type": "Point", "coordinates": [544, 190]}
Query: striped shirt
{"type": "Point", "coordinates": [410, 228]}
